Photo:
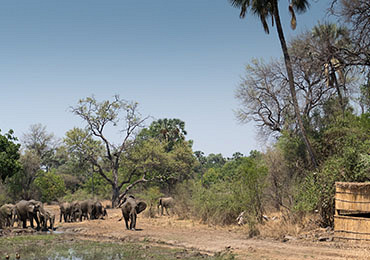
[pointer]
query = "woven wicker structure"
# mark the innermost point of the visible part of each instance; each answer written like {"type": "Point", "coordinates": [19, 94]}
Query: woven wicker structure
{"type": "Point", "coordinates": [352, 207]}
{"type": "Point", "coordinates": [352, 197]}
{"type": "Point", "coordinates": [352, 228]}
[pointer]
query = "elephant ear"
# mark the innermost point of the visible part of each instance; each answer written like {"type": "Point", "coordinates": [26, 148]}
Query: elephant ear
{"type": "Point", "coordinates": [141, 206]}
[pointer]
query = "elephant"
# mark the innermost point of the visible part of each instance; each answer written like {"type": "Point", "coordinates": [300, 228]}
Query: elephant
{"type": "Point", "coordinates": [98, 210]}
{"type": "Point", "coordinates": [76, 211]}
{"type": "Point", "coordinates": [130, 208]}
{"type": "Point", "coordinates": [105, 213]}
{"type": "Point", "coordinates": [92, 209]}
{"type": "Point", "coordinates": [65, 212]}
{"type": "Point", "coordinates": [7, 215]}
{"type": "Point", "coordinates": [45, 217]}
{"type": "Point", "coordinates": [86, 207]}
{"type": "Point", "coordinates": [166, 203]}
{"type": "Point", "coordinates": [27, 210]}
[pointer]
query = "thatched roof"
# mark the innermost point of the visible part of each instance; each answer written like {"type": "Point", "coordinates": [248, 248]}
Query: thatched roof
{"type": "Point", "coordinates": [355, 186]}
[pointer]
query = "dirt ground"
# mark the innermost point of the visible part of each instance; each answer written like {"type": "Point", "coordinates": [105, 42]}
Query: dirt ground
{"type": "Point", "coordinates": [172, 232]}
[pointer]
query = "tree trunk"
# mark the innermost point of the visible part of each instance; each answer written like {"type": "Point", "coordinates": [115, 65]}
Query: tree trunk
{"type": "Point", "coordinates": [115, 187]}
{"type": "Point", "coordinates": [115, 195]}
{"type": "Point", "coordinates": [341, 101]}
{"type": "Point", "coordinates": [289, 69]}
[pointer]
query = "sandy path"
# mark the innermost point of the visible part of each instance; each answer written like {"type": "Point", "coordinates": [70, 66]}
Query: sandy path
{"type": "Point", "coordinates": [169, 231]}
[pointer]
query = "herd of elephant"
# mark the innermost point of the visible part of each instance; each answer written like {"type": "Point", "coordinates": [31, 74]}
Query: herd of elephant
{"type": "Point", "coordinates": [26, 210]}
{"type": "Point", "coordinates": [79, 210]}
{"type": "Point", "coordinates": [29, 210]}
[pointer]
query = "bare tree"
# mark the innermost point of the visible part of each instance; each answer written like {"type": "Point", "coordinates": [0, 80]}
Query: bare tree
{"type": "Point", "coordinates": [42, 143]}
{"type": "Point", "coordinates": [264, 96]}
{"type": "Point", "coordinates": [123, 115]}
{"type": "Point", "coordinates": [280, 179]}
{"type": "Point", "coordinates": [21, 184]}
{"type": "Point", "coordinates": [356, 15]}
{"type": "Point", "coordinates": [310, 55]}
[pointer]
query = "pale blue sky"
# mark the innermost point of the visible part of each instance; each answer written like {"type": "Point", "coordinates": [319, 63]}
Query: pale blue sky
{"type": "Point", "coordinates": [178, 59]}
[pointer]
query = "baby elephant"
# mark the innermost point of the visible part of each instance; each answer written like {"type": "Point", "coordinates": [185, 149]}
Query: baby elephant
{"type": "Point", "coordinates": [130, 208]}
{"type": "Point", "coordinates": [65, 212]}
{"type": "Point", "coordinates": [45, 217]}
{"type": "Point", "coordinates": [7, 215]}
{"type": "Point", "coordinates": [166, 203]}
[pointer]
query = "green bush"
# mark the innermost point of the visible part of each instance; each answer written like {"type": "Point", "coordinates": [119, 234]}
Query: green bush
{"type": "Point", "coordinates": [344, 156]}
{"type": "Point", "coordinates": [240, 189]}
{"type": "Point", "coordinates": [50, 185]}
{"type": "Point", "coordinates": [215, 204]}
{"type": "Point", "coordinates": [151, 196]}
{"type": "Point", "coordinates": [307, 194]}
{"type": "Point", "coordinates": [98, 186]}
{"type": "Point", "coordinates": [80, 194]}
{"type": "Point", "coordinates": [318, 190]}
{"type": "Point", "coordinates": [4, 198]}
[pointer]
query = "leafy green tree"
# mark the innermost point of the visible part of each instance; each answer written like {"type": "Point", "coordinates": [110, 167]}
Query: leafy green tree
{"type": "Point", "coordinates": [269, 8]}
{"type": "Point", "coordinates": [171, 131]}
{"type": "Point", "coordinates": [345, 157]}
{"type": "Point", "coordinates": [237, 155]}
{"type": "Point", "coordinates": [199, 168]}
{"type": "Point", "coordinates": [215, 160]}
{"type": "Point", "coordinates": [50, 185]}
{"type": "Point", "coordinates": [162, 167]}
{"type": "Point", "coordinates": [211, 176]}
{"type": "Point", "coordinates": [9, 155]}
{"type": "Point", "coordinates": [73, 167]}
{"type": "Point", "coordinates": [208, 167]}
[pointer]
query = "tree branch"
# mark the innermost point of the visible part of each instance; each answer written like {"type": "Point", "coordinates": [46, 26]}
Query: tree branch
{"type": "Point", "coordinates": [128, 188]}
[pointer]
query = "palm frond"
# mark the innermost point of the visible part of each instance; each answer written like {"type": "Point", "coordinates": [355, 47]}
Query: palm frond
{"type": "Point", "coordinates": [264, 23]}
{"type": "Point", "coordinates": [243, 10]}
{"type": "Point", "coordinates": [300, 6]}
{"type": "Point", "coordinates": [263, 9]}
{"type": "Point", "coordinates": [242, 4]}
{"type": "Point", "coordinates": [293, 21]}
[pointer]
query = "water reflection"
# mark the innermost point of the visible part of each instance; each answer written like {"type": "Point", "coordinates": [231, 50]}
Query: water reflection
{"type": "Point", "coordinates": [55, 232]}
{"type": "Point", "coordinates": [73, 255]}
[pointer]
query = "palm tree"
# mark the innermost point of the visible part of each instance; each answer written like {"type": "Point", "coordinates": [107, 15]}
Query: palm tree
{"type": "Point", "coordinates": [170, 130]}
{"type": "Point", "coordinates": [331, 40]}
{"type": "Point", "coordinates": [265, 9]}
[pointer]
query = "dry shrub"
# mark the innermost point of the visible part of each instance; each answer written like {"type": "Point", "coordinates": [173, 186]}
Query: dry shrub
{"type": "Point", "coordinates": [183, 202]}
{"type": "Point", "coordinates": [285, 223]}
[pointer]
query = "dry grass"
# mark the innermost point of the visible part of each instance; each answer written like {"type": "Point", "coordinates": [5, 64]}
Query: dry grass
{"type": "Point", "coordinates": [282, 224]}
